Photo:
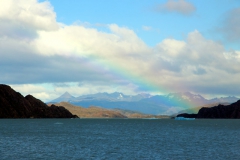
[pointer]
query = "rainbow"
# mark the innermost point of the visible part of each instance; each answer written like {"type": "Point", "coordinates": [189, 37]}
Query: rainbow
{"type": "Point", "coordinates": [117, 72]}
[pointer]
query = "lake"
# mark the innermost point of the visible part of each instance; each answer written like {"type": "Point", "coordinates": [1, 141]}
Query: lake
{"type": "Point", "coordinates": [119, 139]}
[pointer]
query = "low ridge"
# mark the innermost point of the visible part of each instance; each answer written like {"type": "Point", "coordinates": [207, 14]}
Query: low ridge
{"type": "Point", "coordinates": [91, 112]}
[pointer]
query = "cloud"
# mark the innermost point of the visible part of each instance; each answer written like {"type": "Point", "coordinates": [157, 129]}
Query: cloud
{"type": "Point", "coordinates": [199, 71]}
{"type": "Point", "coordinates": [35, 89]}
{"type": "Point", "coordinates": [196, 63]}
{"type": "Point", "coordinates": [146, 28]}
{"type": "Point", "coordinates": [22, 19]}
{"type": "Point", "coordinates": [179, 6]}
{"type": "Point", "coordinates": [83, 60]}
{"type": "Point", "coordinates": [231, 26]}
{"type": "Point", "coordinates": [50, 91]}
{"type": "Point", "coordinates": [30, 14]}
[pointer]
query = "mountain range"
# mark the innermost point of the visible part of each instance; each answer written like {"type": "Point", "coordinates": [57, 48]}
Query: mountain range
{"type": "Point", "coordinates": [113, 97]}
{"type": "Point", "coordinates": [145, 103]}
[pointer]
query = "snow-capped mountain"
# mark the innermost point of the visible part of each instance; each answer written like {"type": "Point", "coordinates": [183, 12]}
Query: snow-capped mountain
{"type": "Point", "coordinates": [145, 103]}
{"type": "Point", "coordinates": [116, 96]}
{"type": "Point", "coordinates": [194, 99]}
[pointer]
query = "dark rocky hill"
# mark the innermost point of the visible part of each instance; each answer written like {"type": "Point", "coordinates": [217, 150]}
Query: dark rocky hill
{"type": "Point", "coordinates": [221, 111]}
{"type": "Point", "coordinates": [231, 111]}
{"type": "Point", "coordinates": [14, 105]}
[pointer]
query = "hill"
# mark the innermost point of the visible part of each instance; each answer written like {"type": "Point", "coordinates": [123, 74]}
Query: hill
{"type": "Point", "coordinates": [91, 112]}
{"type": "Point", "coordinates": [98, 112]}
{"type": "Point", "coordinates": [14, 105]}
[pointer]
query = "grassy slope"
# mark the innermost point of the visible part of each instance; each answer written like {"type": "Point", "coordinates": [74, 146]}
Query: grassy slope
{"type": "Point", "coordinates": [97, 112]}
{"type": "Point", "coordinates": [91, 112]}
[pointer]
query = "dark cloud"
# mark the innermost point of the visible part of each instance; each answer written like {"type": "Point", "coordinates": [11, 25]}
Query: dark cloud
{"type": "Point", "coordinates": [26, 66]}
{"type": "Point", "coordinates": [161, 64]}
{"type": "Point", "coordinates": [16, 30]}
{"type": "Point", "coordinates": [199, 71]}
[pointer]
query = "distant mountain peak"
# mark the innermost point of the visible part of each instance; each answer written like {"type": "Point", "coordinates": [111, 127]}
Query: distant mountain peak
{"type": "Point", "coordinates": [66, 94]}
{"type": "Point", "coordinates": [229, 99]}
{"type": "Point", "coordinates": [64, 97]}
{"type": "Point", "coordinates": [120, 96]}
{"type": "Point", "coordinates": [145, 94]}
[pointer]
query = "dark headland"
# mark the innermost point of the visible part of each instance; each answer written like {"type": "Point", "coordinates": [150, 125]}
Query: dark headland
{"type": "Point", "coordinates": [14, 105]}
{"type": "Point", "coordinates": [231, 111]}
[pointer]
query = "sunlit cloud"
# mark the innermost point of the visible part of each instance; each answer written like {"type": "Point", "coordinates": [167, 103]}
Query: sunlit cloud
{"type": "Point", "coordinates": [83, 60]}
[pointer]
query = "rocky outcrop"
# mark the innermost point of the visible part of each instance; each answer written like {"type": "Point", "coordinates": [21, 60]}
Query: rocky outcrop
{"type": "Point", "coordinates": [14, 105]}
{"type": "Point", "coordinates": [231, 111]}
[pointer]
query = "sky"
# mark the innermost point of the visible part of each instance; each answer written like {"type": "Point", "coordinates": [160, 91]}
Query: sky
{"type": "Point", "coordinates": [148, 46]}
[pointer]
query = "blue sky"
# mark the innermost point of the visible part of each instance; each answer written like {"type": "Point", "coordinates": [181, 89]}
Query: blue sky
{"type": "Point", "coordinates": [154, 46]}
{"type": "Point", "coordinates": [137, 15]}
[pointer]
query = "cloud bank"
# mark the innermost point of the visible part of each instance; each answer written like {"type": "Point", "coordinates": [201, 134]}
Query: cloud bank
{"type": "Point", "coordinates": [36, 49]}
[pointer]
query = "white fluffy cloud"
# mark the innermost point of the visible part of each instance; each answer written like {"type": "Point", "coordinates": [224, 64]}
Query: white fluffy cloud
{"type": "Point", "coordinates": [197, 64]}
{"type": "Point", "coordinates": [178, 6]}
{"type": "Point", "coordinates": [80, 40]}
{"type": "Point", "coordinates": [28, 14]}
{"type": "Point", "coordinates": [37, 50]}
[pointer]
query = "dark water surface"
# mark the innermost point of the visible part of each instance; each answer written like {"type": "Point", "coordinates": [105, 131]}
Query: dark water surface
{"type": "Point", "coordinates": [119, 139]}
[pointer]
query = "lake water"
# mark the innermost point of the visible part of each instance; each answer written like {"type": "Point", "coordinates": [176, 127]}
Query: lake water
{"type": "Point", "coordinates": [119, 139]}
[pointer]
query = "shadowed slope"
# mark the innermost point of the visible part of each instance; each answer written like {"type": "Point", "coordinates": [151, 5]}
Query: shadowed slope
{"type": "Point", "coordinates": [14, 105]}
